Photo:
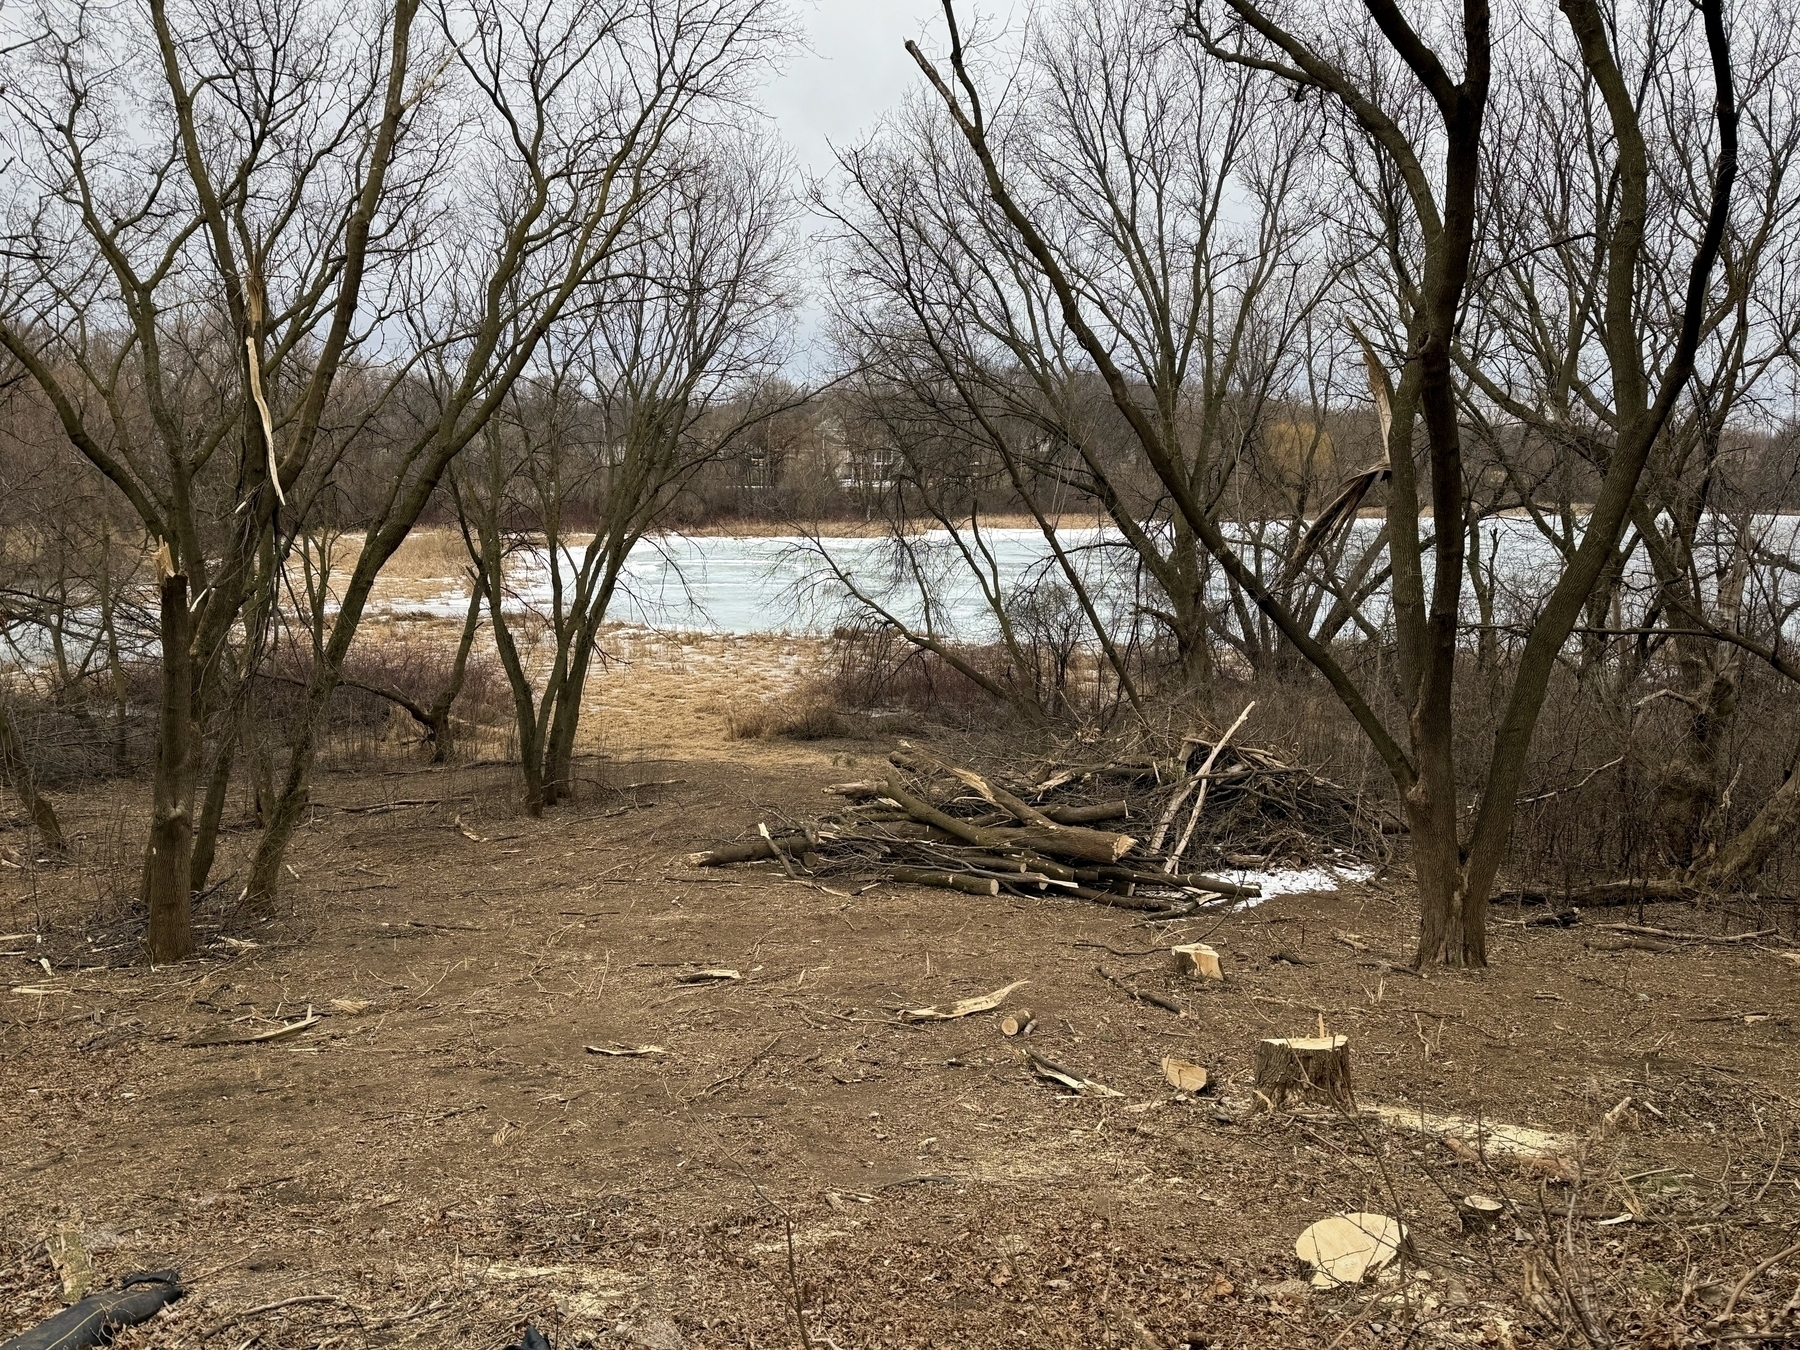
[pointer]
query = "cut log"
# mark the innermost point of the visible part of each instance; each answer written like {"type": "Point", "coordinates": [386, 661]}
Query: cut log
{"type": "Point", "coordinates": [1197, 961]}
{"type": "Point", "coordinates": [1060, 841]}
{"type": "Point", "coordinates": [1472, 1139]}
{"type": "Point", "coordinates": [1016, 1023]}
{"type": "Point", "coordinates": [1479, 1212]}
{"type": "Point", "coordinates": [949, 881]}
{"type": "Point", "coordinates": [750, 850]}
{"type": "Point", "coordinates": [1198, 881]}
{"type": "Point", "coordinates": [1316, 1066]}
{"type": "Point", "coordinates": [1088, 815]}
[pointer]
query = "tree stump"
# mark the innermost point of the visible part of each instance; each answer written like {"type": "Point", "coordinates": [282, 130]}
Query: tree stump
{"type": "Point", "coordinates": [1479, 1212]}
{"type": "Point", "coordinates": [1316, 1066]}
{"type": "Point", "coordinates": [1197, 961]}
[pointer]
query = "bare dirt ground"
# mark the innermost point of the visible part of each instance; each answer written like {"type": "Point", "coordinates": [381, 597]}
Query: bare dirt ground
{"type": "Point", "coordinates": [439, 1158]}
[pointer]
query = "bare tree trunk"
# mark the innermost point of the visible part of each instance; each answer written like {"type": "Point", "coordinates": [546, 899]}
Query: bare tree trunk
{"type": "Point", "coordinates": [18, 771]}
{"type": "Point", "coordinates": [168, 862]}
{"type": "Point", "coordinates": [443, 737]}
{"type": "Point", "coordinates": [1744, 858]}
{"type": "Point", "coordinates": [218, 786]}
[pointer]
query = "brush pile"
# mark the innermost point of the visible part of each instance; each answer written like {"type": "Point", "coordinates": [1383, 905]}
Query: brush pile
{"type": "Point", "coordinates": [1116, 833]}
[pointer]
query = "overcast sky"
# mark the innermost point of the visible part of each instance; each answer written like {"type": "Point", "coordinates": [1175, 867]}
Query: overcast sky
{"type": "Point", "coordinates": [852, 68]}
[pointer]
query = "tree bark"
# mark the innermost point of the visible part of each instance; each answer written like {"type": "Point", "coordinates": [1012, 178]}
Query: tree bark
{"type": "Point", "coordinates": [1744, 858]}
{"type": "Point", "coordinates": [18, 771]}
{"type": "Point", "coordinates": [218, 785]}
{"type": "Point", "coordinates": [168, 861]}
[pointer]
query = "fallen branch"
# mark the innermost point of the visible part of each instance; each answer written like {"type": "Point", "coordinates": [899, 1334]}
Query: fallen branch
{"type": "Point", "coordinates": [1142, 996]}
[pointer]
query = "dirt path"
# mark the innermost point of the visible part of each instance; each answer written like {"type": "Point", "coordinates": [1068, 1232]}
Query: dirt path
{"type": "Point", "coordinates": [440, 1158]}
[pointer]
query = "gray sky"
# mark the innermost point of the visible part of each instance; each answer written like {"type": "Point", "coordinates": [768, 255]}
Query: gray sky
{"type": "Point", "coordinates": [853, 68]}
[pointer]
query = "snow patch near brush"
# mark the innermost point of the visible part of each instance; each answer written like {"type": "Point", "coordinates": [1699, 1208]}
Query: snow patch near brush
{"type": "Point", "coordinates": [1297, 880]}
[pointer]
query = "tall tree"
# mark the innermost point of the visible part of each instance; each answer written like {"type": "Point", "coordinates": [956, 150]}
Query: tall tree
{"type": "Point", "coordinates": [1420, 128]}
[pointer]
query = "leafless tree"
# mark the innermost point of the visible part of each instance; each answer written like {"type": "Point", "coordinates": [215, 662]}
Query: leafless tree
{"type": "Point", "coordinates": [198, 197]}
{"type": "Point", "coordinates": [1180, 208]}
{"type": "Point", "coordinates": [218, 213]}
{"type": "Point", "coordinates": [641, 386]}
{"type": "Point", "coordinates": [1420, 130]}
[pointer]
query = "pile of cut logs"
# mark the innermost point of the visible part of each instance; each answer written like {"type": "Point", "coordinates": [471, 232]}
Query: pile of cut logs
{"type": "Point", "coordinates": [1114, 833]}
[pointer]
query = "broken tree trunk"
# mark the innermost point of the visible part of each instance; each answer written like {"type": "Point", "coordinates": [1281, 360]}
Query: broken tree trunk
{"type": "Point", "coordinates": [168, 860]}
{"type": "Point", "coordinates": [1316, 1066]}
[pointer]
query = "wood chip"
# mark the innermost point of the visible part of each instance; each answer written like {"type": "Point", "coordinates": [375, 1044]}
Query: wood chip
{"type": "Point", "coordinates": [69, 1257]}
{"type": "Point", "coordinates": [1184, 1075]}
{"type": "Point", "coordinates": [618, 1051]}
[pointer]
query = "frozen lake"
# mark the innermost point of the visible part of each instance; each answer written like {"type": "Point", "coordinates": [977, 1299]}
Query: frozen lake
{"type": "Point", "coordinates": [764, 584]}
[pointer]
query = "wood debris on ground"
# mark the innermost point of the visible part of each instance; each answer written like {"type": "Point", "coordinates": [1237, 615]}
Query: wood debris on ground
{"type": "Point", "coordinates": [1123, 832]}
{"type": "Point", "coordinates": [617, 1051]}
{"type": "Point", "coordinates": [962, 1007]}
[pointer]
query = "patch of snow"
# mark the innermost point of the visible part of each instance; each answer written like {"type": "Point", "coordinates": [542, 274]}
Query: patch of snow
{"type": "Point", "coordinates": [1296, 880]}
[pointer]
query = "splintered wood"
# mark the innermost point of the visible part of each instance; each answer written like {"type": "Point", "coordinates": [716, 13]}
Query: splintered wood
{"type": "Point", "coordinates": [1056, 1073]}
{"type": "Point", "coordinates": [1316, 1067]}
{"type": "Point", "coordinates": [963, 1007]}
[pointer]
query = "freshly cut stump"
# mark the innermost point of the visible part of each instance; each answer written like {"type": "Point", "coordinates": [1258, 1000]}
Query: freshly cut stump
{"type": "Point", "coordinates": [1197, 961]}
{"type": "Point", "coordinates": [1479, 1212]}
{"type": "Point", "coordinates": [1315, 1066]}
{"type": "Point", "coordinates": [1346, 1247]}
